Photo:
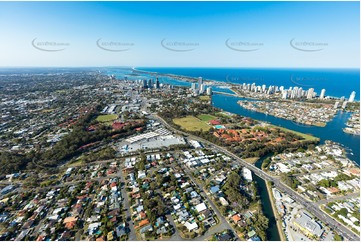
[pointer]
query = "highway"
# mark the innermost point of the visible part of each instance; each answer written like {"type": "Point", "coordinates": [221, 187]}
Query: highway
{"type": "Point", "coordinates": [310, 206]}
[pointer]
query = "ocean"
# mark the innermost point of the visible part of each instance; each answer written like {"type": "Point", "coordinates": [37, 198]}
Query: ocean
{"type": "Point", "coordinates": [337, 82]}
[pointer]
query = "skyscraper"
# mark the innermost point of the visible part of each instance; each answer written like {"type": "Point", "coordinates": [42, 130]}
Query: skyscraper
{"type": "Point", "coordinates": [310, 93]}
{"type": "Point", "coordinates": [352, 97]}
{"type": "Point", "coordinates": [344, 104]}
{"type": "Point", "coordinates": [200, 82]}
{"type": "Point", "coordinates": [202, 89]}
{"type": "Point", "coordinates": [322, 95]}
{"type": "Point", "coordinates": [209, 91]}
{"type": "Point", "coordinates": [145, 83]}
{"type": "Point", "coordinates": [263, 88]}
{"type": "Point", "coordinates": [157, 83]}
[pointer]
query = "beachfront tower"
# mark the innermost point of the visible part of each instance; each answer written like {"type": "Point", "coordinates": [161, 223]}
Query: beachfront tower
{"type": "Point", "coordinates": [352, 97]}
{"type": "Point", "coordinates": [310, 93]}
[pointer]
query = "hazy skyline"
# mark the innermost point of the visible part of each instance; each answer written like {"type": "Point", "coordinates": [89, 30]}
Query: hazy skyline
{"type": "Point", "coordinates": [180, 34]}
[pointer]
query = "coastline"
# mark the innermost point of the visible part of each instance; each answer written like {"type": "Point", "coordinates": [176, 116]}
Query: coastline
{"type": "Point", "coordinates": [239, 76]}
{"type": "Point", "coordinates": [275, 212]}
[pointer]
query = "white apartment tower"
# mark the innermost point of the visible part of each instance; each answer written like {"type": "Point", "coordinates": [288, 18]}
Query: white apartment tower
{"type": "Point", "coordinates": [310, 93]}
{"type": "Point", "coordinates": [352, 97]}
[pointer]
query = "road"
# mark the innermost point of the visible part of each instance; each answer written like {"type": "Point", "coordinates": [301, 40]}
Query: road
{"type": "Point", "coordinates": [175, 236]}
{"type": "Point", "coordinates": [131, 236]}
{"type": "Point", "coordinates": [310, 206]}
{"type": "Point", "coordinates": [352, 195]}
{"type": "Point", "coordinates": [223, 223]}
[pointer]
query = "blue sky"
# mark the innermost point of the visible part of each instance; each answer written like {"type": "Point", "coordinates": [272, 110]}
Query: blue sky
{"type": "Point", "coordinates": [194, 34]}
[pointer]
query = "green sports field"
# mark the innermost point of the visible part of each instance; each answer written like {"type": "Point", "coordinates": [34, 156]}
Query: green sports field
{"type": "Point", "coordinates": [106, 118]}
{"type": "Point", "coordinates": [191, 123]}
{"type": "Point", "coordinates": [206, 117]}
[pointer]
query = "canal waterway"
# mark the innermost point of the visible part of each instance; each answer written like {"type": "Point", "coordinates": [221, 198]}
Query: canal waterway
{"type": "Point", "coordinates": [332, 131]}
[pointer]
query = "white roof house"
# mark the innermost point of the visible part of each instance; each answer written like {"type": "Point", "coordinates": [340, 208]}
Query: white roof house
{"type": "Point", "coordinates": [191, 226]}
{"type": "Point", "coordinates": [223, 201]}
{"type": "Point", "coordinates": [247, 174]}
{"type": "Point", "coordinates": [201, 207]}
{"type": "Point", "coordinates": [141, 174]}
{"type": "Point", "coordinates": [283, 168]}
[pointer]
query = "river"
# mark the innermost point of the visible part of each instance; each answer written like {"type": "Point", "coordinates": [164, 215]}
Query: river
{"type": "Point", "coordinates": [332, 131]}
{"type": "Point", "coordinates": [272, 231]}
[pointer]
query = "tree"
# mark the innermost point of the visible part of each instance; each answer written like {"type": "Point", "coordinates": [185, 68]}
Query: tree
{"type": "Point", "coordinates": [324, 183]}
{"type": "Point", "coordinates": [343, 212]}
{"type": "Point", "coordinates": [152, 186]}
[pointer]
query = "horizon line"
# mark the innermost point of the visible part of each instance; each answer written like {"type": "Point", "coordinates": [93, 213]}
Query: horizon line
{"type": "Point", "coordinates": [236, 67]}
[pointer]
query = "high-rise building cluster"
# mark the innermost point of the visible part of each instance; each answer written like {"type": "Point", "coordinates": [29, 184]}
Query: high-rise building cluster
{"type": "Point", "coordinates": [150, 84]}
{"type": "Point", "coordinates": [200, 87]}
{"type": "Point", "coordinates": [291, 93]}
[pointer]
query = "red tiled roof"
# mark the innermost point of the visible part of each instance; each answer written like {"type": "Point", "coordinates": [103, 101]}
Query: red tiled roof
{"type": "Point", "coordinates": [215, 122]}
{"type": "Point", "coordinates": [70, 225]}
{"type": "Point", "coordinates": [236, 218]}
{"type": "Point", "coordinates": [143, 222]}
{"type": "Point", "coordinates": [40, 238]}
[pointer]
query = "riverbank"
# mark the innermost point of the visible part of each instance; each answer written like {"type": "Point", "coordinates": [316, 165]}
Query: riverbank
{"type": "Point", "coordinates": [307, 137]}
{"type": "Point", "coordinates": [333, 130]}
{"type": "Point", "coordinates": [251, 160]}
{"type": "Point", "coordinates": [313, 114]}
{"type": "Point", "coordinates": [273, 233]}
{"type": "Point", "coordinates": [275, 212]}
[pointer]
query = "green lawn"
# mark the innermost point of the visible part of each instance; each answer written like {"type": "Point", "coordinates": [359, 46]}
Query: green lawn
{"type": "Point", "coordinates": [106, 118]}
{"type": "Point", "coordinates": [305, 136]}
{"type": "Point", "coordinates": [206, 117]}
{"type": "Point", "coordinates": [191, 123]}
